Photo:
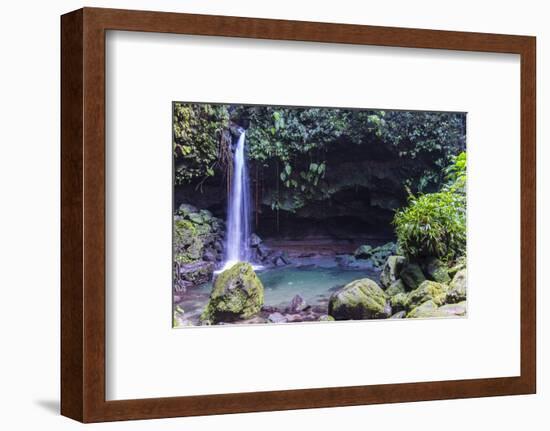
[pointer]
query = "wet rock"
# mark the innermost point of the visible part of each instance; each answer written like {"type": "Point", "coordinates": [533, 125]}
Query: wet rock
{"type": "Point", "coordinates": [237, 294]}
{"type": "Point", "coordinates": [298, 304]}
{"type": "Point", "coordinates": [345, 261]}
{"type": "Point", "coordinates": [206, 216]}
{"type": "Point", "coordinates": [196, 218]}
{"type": "Point", "coordinates": [279, 258]}
{"type": "Point", "coordinates": [195, 273]}
{"type": "Point", "coordinates": [218, 246]}
{"type": "Point", "coordinates": [457, 288]}
{"type": "Point", "coordinates": [412, 275]}
{"type": "Point", "coordinates": [255, 240]}
{"type": "Point", "coordinates": [269, 309]}
{"type": "Point", "coordinates": [209, 256]}
{"type": "Point", "coordinates": [181, 286]}
{"type": "Point", "coordinates": [296, 317]}
{"type": "Point", "coordinates": [254, 320]}
{"type": "Point", "coordinates": [276, 318]}
{"type": "Point", "coordinates": [186, 209]}
{"type": "Point", "coordinates": [262, 251]}
{"type": "Point", "coordinates": [391, 270]}
{"type": "Point", "coordinates": [450, 310]}
{"type": "Point", "coordinates": [380, 254]}
{"type": "Point", "coordinates": [360, 299]}
{"type": "Point", "coordinates": [363, 252]}
{"type": "Point", "coordinates": [399, 315]}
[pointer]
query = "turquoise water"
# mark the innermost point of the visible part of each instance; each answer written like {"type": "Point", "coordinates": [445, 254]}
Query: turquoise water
{"type": "Point", "coordinates": [312, 284]}
{"type": "Point", "coordinates": [315, 284]}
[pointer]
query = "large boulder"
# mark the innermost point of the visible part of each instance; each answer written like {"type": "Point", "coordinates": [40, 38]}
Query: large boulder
{"type": "Point", "coordinates": [427, 291]}
{"type": "Point", "coordinates": [391, 270]}
{"type": "Point", "coordinates": [237, 294]}
{"type": "Point", "coordinates": [436, 270]}
{"type": "Point", "coordinates": [457, 288]}
{"type": "Point", "coordinates": [360, 299]}
{"type": "Point", "coordinates": [412, 275]}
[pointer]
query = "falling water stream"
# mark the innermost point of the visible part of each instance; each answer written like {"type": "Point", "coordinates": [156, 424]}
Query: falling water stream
{"type": "Point", "coordinates": [237, 246]}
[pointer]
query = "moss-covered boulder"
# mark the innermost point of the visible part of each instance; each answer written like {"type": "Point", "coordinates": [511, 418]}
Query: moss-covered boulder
{"type": "Point", "coordinates": [457, 288]}
{"type": "Point", "coordinates": [237, 294]}
{"type": "Point", "coordinates": [436, 270]}
{"type": "Point", "coordinates": [391, 270]}
{"type": "Point", "coordinates": [427, 291]}
{"type": "Point", "coordinates": [412, 275]}
{"type": "Point", "coordinates": [360, 299]}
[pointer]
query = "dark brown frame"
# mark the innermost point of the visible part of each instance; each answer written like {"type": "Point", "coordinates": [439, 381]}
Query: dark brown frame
{"type": "Point", "coordinates": [83, 214]}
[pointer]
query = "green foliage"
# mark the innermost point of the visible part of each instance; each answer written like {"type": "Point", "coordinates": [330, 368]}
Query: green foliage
{"type": "Point", "coordinates": [455, 173]}
{"type": "Point", "coordinates": [197, 130]}
{"type": "Point", "coordinates": [297, 138]}
{"type": "Point", "coordinates": [434, 224]}
{"type": "Point", "coordinates": [295, 148]}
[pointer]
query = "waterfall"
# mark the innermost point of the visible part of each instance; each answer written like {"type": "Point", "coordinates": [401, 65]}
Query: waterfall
{"type": "Point", "coordinates": [237, 247]}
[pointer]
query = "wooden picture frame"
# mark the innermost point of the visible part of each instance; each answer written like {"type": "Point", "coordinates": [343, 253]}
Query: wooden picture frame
{"type": "Point", "coordinates": [83, 334]}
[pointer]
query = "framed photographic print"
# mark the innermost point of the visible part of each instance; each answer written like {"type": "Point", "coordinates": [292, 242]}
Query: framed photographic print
{"type": "Point", "coordinates": [249, 204]}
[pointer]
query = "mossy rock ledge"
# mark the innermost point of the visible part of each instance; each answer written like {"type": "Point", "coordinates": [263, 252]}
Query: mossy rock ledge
{"type": "Point", "coordinates": [237, 294]}
{"type": "Point", "coordinates": [360, 299]}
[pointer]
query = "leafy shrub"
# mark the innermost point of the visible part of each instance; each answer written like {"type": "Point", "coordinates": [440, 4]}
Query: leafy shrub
{"type": "Point", "coordinates": [197, 130]}
{"type": "Point", "coordinates": [434, 224]}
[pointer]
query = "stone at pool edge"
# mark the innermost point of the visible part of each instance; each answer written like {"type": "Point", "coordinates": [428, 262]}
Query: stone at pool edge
{"type": "Point", "coordinates": [237, 294]}
{"type": "Point", "coordinates": [360, 299]}
{"type": "Point", "coordinates": [298, 304]}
